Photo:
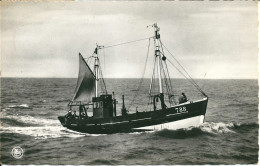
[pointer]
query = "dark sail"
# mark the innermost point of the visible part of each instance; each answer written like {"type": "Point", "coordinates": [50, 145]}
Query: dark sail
{"type": "Point", "coordinates": [85, 88]}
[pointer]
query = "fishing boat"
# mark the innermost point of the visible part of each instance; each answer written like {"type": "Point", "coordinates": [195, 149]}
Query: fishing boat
{"type": "Point", "coordinates": [169, 110]}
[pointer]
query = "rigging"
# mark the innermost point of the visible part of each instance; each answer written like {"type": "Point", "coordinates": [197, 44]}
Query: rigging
{"type": "Point", "coordinates": [190, 78]}
{"type": "Point", "coordinates": [141, 81]}
{"type": "Point", "coordinates": [127, 42]}
{"type": "Point", "coordinates": [162, 67]}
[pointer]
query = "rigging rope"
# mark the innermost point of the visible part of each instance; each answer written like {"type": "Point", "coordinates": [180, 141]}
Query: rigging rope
{"type": "Point", "coordinates": [196, 86]}
{"type": "Point", "coordinates": [89, 58]}
{"type": "Point", "coordinates": [151, 90]}
{"type": "Point", "coordinates": [127, 42]}
{"type": "Point", "coordinates": [102, 78]}
{"type": "Point", "coordinates": [153, 74]}
{"type": "Point", "coordinates": [104, 62]}
{"type": "Point", "coordinates": [166, 83]}
{"type": "Point", "coordinates": [101, 72]}
{"type": "Point", "coordinates": [141, 81]}
{"type": "Point", "coordinates": [169, 78]}
{"type": "Point", "coordinates": [151, 84]}
{"type": "Point", "coordinates": [192, 81]}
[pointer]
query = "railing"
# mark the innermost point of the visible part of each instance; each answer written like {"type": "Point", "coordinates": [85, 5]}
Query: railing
{"type": "Point", "coordinates": [78, 103]}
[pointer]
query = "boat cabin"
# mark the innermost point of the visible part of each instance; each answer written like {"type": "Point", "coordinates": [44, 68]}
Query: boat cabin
{"type": "Point", "coordinates": [102, 106]}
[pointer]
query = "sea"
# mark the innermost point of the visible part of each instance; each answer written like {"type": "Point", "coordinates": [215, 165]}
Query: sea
{"type": "Point", "coordinates": [30, 107]}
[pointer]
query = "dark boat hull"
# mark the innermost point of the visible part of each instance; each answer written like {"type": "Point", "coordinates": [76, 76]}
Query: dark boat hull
{"type": "Point", "coordinates": [180, 116]}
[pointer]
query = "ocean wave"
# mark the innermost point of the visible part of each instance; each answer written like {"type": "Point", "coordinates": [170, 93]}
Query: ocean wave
{"type": "Point", "coordinates": [134, 132]}
{"type": "Point", "coordinates": [39, 128]}
{"type": "Point", "coordinates": [49, 128]}
{"type": "Point", "coordinates": [103, 162]}
{"type": "Point", "coordinates": [23, 106]}
{"type": "Point", "coordinates": [241, 127]}
{"type": "Point", "coordinates": [62, 100]}
{"type": "Point", "coordinates": [221, 127]}
{"type": "Point", "coordinates": [14, 122]}
{"type": "Point", "coordinates": [207, 128]}
{"type": "Point", "coordinates": [17, 119]}
{"type": "Point", "coordinates": [239, 104]}
{"type": "Point", "coordinates": [215, 128]}
{"type": "Point", "coordinates": [45, 132]}
{"type": "Point", "coordinates": [180, 133]}
{"type": "Point", "coordinates": [43, 101]}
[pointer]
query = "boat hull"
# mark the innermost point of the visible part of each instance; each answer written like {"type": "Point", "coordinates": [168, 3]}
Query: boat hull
{"type": "Point", "coordinates": [183, 123]}
{"type": "Point", "coordinates": [181, 116]}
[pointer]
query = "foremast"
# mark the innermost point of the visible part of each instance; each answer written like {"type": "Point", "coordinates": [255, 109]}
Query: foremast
{"type": "Point", "coordinates": [97, 70]}
{"type": "Point", "coordinates": [96, 67]}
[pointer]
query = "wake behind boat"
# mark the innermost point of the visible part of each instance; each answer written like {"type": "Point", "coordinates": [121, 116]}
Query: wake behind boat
{"type": "Point", "coordinates": [173, 112]}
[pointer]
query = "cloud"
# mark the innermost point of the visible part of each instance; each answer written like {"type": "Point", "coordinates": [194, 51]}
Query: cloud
{"type": "Point", "coordinates": [199, 34]}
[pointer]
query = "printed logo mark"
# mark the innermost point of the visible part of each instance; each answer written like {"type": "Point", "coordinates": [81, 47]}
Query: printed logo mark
{"type": "Point", "coordinates": [17, 152]}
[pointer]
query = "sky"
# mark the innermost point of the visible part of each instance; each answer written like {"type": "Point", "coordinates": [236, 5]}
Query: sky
{"type": "Point", "coordinates": [212, 40]}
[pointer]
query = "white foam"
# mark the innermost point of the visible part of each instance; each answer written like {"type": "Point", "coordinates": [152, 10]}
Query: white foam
{"type": "Point", "coordinates": [19, 106]}
{"type": "Point", "coordinates": [141, 132]}
{"type": "Point", "coordinates": [48, 128]}
{"type": "Point", "coordinates": [45, 132]}
{"type": "Point", "coordinates": [32, 120]}
{"type": "Point", "coordinates": [215, 128]}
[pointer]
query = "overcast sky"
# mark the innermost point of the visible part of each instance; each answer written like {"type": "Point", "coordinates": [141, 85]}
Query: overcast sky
{"type": "Point", "coordinates": [210, 39]}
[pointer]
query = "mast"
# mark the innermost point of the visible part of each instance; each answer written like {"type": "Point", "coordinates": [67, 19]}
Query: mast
{"type": "Point", "coordinates": [158, 58]}
{"type": "Point", "coordinates": [96, 70]}
{"type": "Point", "coordinates": [158, 55]}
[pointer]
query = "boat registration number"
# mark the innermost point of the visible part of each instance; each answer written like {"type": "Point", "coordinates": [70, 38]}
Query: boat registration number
{"type": "Point", "coordinates": [181, 109]}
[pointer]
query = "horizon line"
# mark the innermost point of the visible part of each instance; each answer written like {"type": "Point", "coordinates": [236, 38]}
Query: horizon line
{"type": "Point", "coordinates": [144, 78]}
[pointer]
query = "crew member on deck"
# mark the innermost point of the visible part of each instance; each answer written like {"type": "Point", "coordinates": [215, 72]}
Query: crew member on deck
{"type": "Point", "coordinates": [182, 98]}
{"type": "Point", "coordinates": [69, 114]}
{"type": "Point", "coordinates": [74, 114]}
{"type": "Point", "coordinates": [82, 112]}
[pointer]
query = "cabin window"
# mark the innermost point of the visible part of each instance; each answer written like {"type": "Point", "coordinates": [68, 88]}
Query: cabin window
{"type": "Point", "coordinates": [97, 104]}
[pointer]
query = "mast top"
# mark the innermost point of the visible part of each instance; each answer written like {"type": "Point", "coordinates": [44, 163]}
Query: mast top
{"type": "Point", "coordinates": [97, 48]}
{"type": "Point", "coordinates": [156, 30]}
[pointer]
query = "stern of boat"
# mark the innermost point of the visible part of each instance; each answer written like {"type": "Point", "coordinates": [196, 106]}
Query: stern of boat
{"type": "Point", "coordinates": [62, 120]}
